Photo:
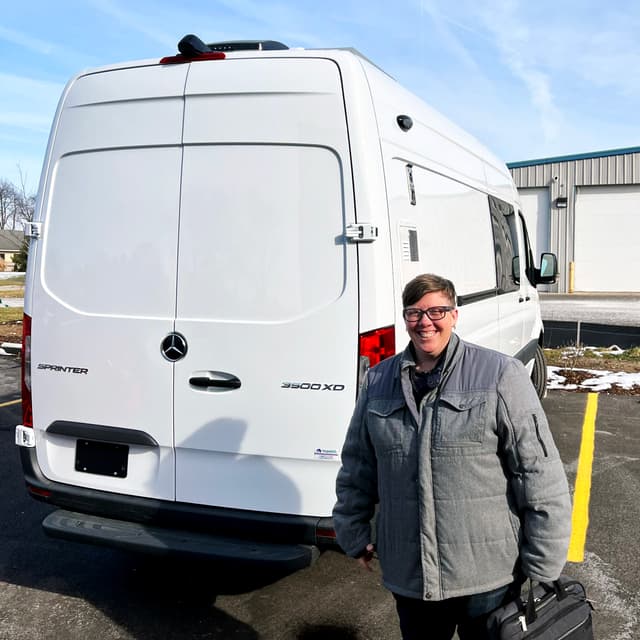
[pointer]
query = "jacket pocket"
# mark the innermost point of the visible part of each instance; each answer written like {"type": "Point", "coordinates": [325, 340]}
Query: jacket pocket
{"type": "Point", "coordinates": [386, 419]}
{"type": "Point", "coordinates": [460, 420]}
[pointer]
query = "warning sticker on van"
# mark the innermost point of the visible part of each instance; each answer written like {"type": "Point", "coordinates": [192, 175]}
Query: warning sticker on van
{"type": "Point", "coordinates": [325, 454]}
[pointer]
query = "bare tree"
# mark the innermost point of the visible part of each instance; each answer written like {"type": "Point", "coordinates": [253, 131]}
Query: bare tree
{"type": "Point", "coordinates": [25, 203]}
{"type": "Point", "coordinates": [7, 202]}
{"type": "Point", "coordinates": [16, 205]}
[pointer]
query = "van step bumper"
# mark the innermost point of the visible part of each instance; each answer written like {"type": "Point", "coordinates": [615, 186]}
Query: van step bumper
{"type": "Point", "coordinates": [134, 536]}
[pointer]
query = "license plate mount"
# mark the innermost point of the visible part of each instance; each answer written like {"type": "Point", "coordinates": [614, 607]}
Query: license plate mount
{"type": "Point", "coordinates": [102, 458]}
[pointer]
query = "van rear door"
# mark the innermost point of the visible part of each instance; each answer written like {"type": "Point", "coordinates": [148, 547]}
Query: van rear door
{"type": "Point", "coordinates": [267, 287]}
{"type": "Point", "coordinates": [103, 292]}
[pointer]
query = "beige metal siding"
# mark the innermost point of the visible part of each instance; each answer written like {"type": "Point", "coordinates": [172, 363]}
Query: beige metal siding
{"type": "Point", "coordinates": [562, 177]}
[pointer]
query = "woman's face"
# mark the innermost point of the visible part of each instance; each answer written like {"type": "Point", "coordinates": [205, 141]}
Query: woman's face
{"type": "Point", "coordinates": [430, 337]}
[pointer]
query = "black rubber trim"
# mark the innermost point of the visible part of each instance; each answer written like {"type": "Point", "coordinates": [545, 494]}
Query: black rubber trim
{"type": "Point", "coordinates": [476, 297]}
{"type": "Point", "coordinates": [100, 432]}
{"type": "Point", "coordinates": [528, 352]}
{"type": "Point", "coordinates": [234, 523]}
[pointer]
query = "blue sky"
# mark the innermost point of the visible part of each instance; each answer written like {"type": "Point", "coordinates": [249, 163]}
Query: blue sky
{"type": "Point", "coordinates": [529, 79]}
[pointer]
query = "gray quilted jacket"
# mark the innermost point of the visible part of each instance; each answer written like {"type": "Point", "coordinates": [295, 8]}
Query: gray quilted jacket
{"type": "Point", "coordinates": [469, 486]}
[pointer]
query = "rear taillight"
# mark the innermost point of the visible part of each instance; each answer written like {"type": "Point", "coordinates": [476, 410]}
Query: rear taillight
{"type": "Point", "coordinates": [181, 59]}
{"type": "Point", "coordinates": [27, 411]}
{"type": "Point", "coordinates": [37, 491]}
{"type": "Point", "coordinates": [373, 347]}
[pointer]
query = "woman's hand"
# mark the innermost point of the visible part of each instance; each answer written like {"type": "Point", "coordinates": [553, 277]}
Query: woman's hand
{"type": "Point", "coordinates": [365, 558]}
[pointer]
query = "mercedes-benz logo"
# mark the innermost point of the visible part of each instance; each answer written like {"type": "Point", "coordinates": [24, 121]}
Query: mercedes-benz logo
{"type": "Point", "coordinates": [174, 347]}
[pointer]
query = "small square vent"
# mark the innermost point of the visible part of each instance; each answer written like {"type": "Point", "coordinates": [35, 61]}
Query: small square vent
{"type": "Point", "coordinates": [409, 244]}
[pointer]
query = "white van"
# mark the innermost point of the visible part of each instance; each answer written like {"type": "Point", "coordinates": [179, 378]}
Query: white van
{"type": "Point", "coordinates": [219, 249]}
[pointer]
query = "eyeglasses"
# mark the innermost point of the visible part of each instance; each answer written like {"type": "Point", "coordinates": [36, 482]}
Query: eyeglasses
{"type": "Point", "coordinates": [413, 314]}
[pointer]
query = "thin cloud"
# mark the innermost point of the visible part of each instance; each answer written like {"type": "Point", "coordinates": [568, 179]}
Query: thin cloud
{"type": "Point", "coordinates": [515, 39]}
{"type": "Point", "coordinates": [26, 86]}
{"type": "Point", "coordinates": [279, 20]}
{"type": "Point", "coordinates": [31, 121]}
{"type": "Point", "coordinates": [538, 85]}
{"type": "Point", "coordinates": [451, 42]}
{"type": "Point", "coordinates": [608, 53]}
{"type": "Point", "coordinates": [48, 50]}
{"type": "Point", "coordinates": [134, 21]}
{"type": "Point", "coordinates": [27, 42]}
{"type": "Point", "coordinates": [565, 59]}
{"type": "Point", "coordinates": [28, 104]}
{"type": "Point", "coordinates": [26, 96]}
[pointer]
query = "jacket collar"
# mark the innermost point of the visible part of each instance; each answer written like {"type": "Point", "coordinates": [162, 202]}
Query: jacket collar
{"type": "Point", "coordinates": [453, 352]}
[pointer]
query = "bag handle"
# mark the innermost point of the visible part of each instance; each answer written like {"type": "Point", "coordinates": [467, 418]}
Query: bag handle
{"type": "Point", "coordinates": [530, 614]}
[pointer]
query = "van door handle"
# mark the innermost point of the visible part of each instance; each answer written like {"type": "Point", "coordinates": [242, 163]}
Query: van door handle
{"type": "Point", "coordinates": [214, 380]}
{"type": "Point", "coordinates": [524, 299]}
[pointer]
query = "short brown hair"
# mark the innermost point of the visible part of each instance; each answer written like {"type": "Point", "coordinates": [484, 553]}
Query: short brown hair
{"type": "Point", "coordinates": [427, 283]}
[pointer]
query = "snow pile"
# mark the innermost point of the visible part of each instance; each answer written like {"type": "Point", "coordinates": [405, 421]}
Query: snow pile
{"type": "Point", "coordinates": [572, 378]}
{"type": "Point", "coordinates": [593, 380]}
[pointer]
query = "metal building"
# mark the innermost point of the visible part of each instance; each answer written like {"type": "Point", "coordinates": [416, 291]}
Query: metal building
{"type": "Point", "coordinates": [586, 209]}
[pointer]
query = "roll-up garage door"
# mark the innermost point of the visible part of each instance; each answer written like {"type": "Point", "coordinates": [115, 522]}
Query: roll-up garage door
{"type": "Point", "coordinates": [607, 225]}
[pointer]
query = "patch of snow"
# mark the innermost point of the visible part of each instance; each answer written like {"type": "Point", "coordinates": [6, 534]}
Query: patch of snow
{"type": "Point", "coordinates": [596, 380]}
{"type": "Point", "coordinates": [599, 380]}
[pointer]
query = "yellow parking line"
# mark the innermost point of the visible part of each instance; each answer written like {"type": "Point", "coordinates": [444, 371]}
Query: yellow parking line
{"type": "Point", "coordinates": [582, 492]}
{"type": "Point", "coordinates": [6, 404]}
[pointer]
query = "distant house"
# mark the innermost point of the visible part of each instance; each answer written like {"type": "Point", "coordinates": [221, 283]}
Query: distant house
{"type": "Point", "coordinates": [10, 244]}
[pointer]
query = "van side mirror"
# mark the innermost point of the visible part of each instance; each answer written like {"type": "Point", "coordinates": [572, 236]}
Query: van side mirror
{"type": "Point", "coordinates": [548, 269]}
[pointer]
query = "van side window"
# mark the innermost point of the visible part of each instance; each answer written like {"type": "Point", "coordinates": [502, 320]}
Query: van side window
{"type": "Point", "coordinates": [505, 237]}
{"type": "Point", "coordinates": [529, 263]}
{"type": "Point", "coordinates": [449, 217]}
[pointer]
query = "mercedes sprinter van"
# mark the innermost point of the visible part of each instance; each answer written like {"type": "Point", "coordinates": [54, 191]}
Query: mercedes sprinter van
{"type": "Point", "coordinates": [219, 248]}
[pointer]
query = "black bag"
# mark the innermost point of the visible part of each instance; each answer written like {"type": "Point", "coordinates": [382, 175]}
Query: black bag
{"type": "Point", "coordinates": [556, 611]}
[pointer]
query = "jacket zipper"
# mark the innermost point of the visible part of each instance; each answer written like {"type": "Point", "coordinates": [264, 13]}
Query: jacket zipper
{"type": "Point", "coordinates": [542, 444]}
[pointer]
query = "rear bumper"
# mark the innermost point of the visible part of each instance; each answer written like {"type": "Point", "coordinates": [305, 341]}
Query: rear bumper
{"type": "Point", "coordinates": [134, 536]}
{"type": "Point", "coordinates": [165, 527]}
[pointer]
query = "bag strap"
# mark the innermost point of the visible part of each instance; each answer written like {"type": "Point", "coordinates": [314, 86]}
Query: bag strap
{"type": "Point", "coordinates": [530, 614]}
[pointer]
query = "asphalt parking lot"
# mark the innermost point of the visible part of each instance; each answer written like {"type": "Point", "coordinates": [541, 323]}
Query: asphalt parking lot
{"type": "Point", "coordinates": [55, 589]}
